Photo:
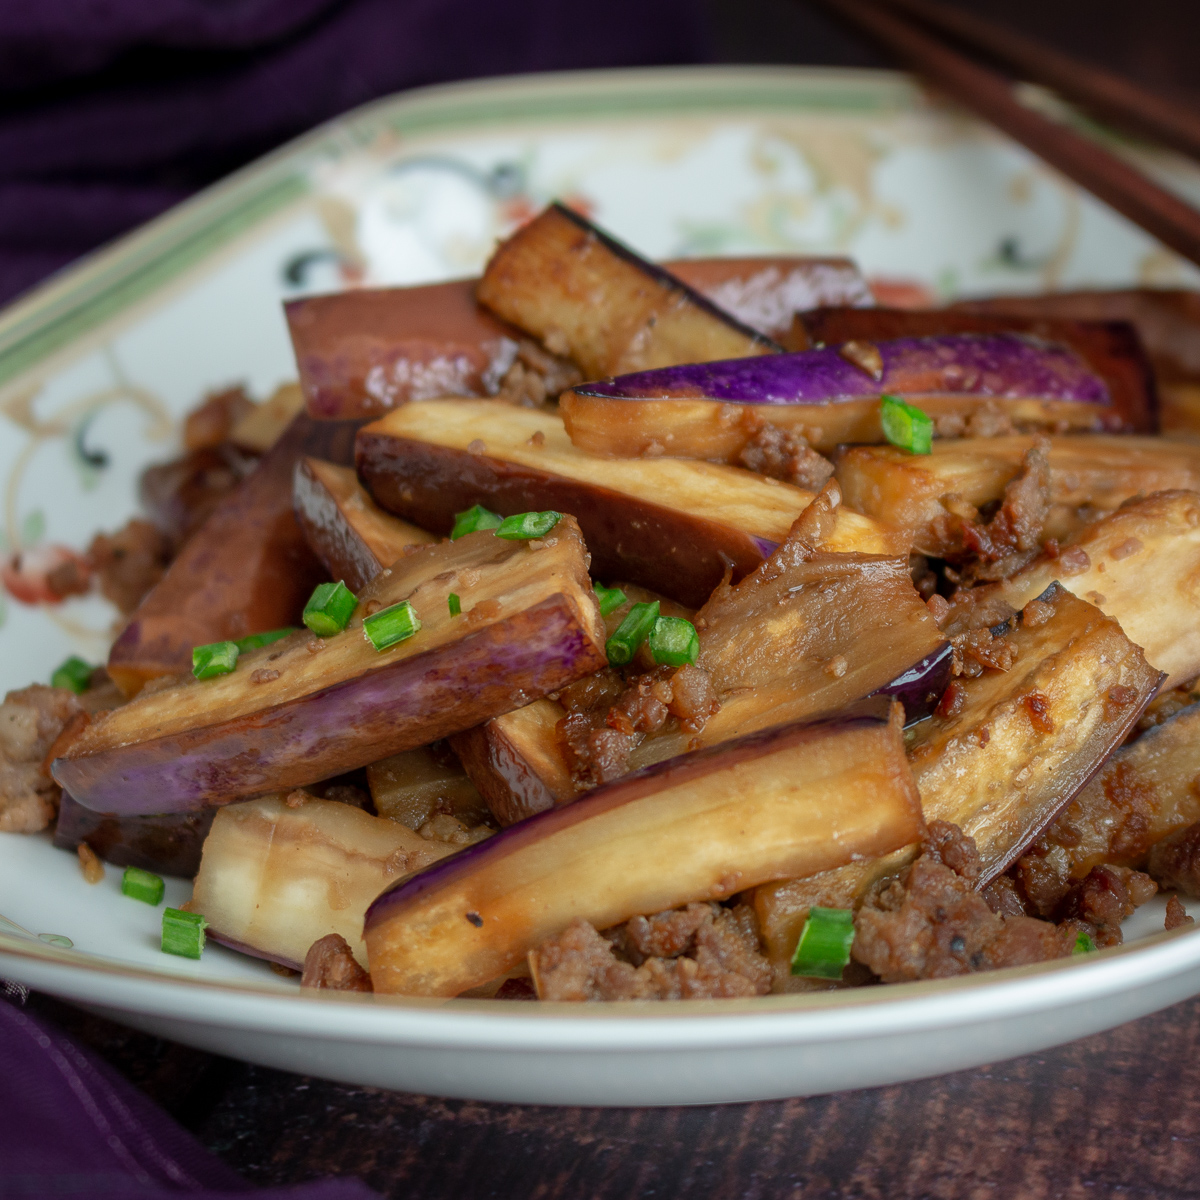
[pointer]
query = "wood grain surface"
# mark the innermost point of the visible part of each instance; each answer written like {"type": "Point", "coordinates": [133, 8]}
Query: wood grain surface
{"type": "Point", "coordinates": [1117, 1114]}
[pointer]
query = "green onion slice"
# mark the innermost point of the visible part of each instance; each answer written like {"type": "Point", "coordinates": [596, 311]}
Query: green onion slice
{"type": "Point", "coordinates": [454, 604]}
{"type": "Point", "coordinates": [610, 598]}
{"type": "Point", "coordinates": [329, 609]}
{"type": "Point", "coordinates": [905, 426]}
{"type": "Point", "coordinates": [391, 625]}
{"type": "Point", "coordinates": [217, 658]}
{"type": "Point", "coordinates": [473, 520]}
{"type": "Point", "coordinates": [824, 946]}
{"type": "Point", "coordinates": [74, 674]}
{"type": "Point", "coordinates": [1083, 944]}
{"type": "Point", "coordinates": [523, 526]}
{"type": "Point", "coordinates": [674, 642]}
{"type": "Point", "coordinates": [631, 633]}
{"type": "Point", "coordinates": [183, 933]}
{"type": "Point", "coordinates": [142, 885]}
{"type": "Point", "coordinates": [257, 640]}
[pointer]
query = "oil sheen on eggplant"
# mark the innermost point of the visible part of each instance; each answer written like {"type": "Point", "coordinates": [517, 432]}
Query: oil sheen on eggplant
{"type": "Point", "coordinates": [351, 535]}
{"type": "Point", "coordinates": [790, 801]}
{"type": "Point", "coordinates": [670, 525]}
{"type": "Point", "coordinates": [585, 295]}
{"type": "Point", "coordinates": [248, 569]}
{"type": "Point", "coordinates": [304, 709]}
{"type": "Point", "coordinates": [712, 410]}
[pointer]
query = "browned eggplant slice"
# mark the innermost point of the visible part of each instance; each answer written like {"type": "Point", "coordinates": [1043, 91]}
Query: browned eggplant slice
{"type": "Point", "coordinates": [303, 709]}
{"type": "Point", "coordinates": [248, 569]}
{"type": "Point", "coordinates": [366, 351]}
{"type": "Point", "coordinates": [1021, 744]}
{"type": "Point", "coordinates": [517, 763]}
{"type": "Point", "coordinates": [1090, 475]}
{"type": "Point", "coordinates": [1017, 745]}
{"type": "Point", "coordinates": [1111, 348]}
{"type": "Point", "coordinates": [585, 295]}
{"type": "Point", "coordinates": [1139, 565]}
{"type": "Point", "coordinates": [276, 876]}
{"type": "Point", "coordinates": [668, 524]}
{"type": "Point", "coordinates": [790, 801]}
{"type": "Point", "coordinates": [168, 845]}
{"type": "Point", "coordinates": [808, 632]}
{"type": "Point", "coordinates": [351, 535]}
{"type": "Point", "coordinates": [1143, 793]}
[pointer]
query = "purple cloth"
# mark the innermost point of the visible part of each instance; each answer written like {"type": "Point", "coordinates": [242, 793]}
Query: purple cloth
{"type": "Point", "coordinates": [70, 1126]}
{"type": "Point", "coordinates": [112, 110]}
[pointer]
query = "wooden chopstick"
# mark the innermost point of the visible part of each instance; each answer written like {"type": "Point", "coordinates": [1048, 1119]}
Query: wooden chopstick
{"type": "Point", "coordinates": [1163, 215]}
{"type": "Point", "coordinates": [1107, 96]}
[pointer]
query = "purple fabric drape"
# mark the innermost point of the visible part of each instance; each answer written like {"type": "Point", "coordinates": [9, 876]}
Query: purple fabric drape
{"type": "Point", "coordinates": [112, 110]}
{"type": "Point", "coordinates": [71, 1127]}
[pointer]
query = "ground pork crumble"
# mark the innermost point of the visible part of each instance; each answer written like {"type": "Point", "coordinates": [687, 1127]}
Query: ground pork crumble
{"type": "Point", "coordinates": [703, 951]}
{"type": "Point", "coordinates": [931, 922]}
{"type": "Point", "coordinates": [30, 721]}
{"type": "Point", "coordinates": [782, 454]}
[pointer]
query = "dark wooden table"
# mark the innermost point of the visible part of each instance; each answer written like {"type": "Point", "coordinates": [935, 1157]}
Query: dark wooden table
{"type": "Point", "coordinates": [1113, 1115]}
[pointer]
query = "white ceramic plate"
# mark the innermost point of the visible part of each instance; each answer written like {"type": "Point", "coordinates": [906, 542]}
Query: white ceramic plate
{"type": "Point", "coordinates": [97, 367]}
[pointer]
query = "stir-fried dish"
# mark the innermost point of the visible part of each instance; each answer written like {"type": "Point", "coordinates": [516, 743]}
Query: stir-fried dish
{"type": "Point", "coordinates": [603, 630]}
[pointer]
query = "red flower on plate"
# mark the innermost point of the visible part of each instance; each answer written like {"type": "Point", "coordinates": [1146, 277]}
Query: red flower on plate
{"type": "Point", "coordinates": [46, 575]}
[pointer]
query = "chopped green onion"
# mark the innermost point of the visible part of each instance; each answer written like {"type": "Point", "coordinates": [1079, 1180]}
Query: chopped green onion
{"type": "Point", "coordinates": [142, 885]}
{"type": "Point", "coordinates": [74, 674]}
{"type": "Point", "coordinates": [454, 604]}
{"type": "Point", "coordinates": [674, 642]}
{"type": "Point", "coordinates": [329, 609]}
{"type": "Point", "coordinates": [257, 640]}
{"type": "Point", "coordinates": [217, 658]}
{"type": "Point", "coordinates": [905, 426]}
{"type": "Point", "coordinates": [183, 933]}
{"type": "Point", "coordinates": [1083, 944]}
{"type": "Point", "coordinates": [473, 520]}
{"type": "Point", "coordinates": [392, 625]}
{"type": "Point", "coordinates": [824, 946]}
{"type": "Point", "coordinates": [610, 598]}
{"type": "Point", "coordinates": [523, 526]}
{"type": "Point", "coordinates": [631, 633]}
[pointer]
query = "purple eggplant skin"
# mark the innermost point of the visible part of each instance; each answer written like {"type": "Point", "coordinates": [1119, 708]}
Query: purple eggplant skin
{"type": "Point", "coordinates": [985, 365]}
{"type": "Point", "coordinates": [400, 706]}
{"type": "Point", "coordinates": [920, 687]}
{"type": "Point", "coordinates": [167, 844]}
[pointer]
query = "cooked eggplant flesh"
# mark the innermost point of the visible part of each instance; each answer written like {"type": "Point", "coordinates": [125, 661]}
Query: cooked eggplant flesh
{"type": "Point", "coordinates": [278, 874]}
{"type": "Point", "coordinates": [247, 570]}
{"type": "Point", "coordinates": [1112, 349]}
{"type": "Point", "coordinates": [808, 632]}
{"type": "Point", "coordinates": [419, 784]}
{"type": "Point", "coordinates": [669, 525]}
{"type": "Point", "coordinates": [1145, 792]}
{"type": "Point", "coordinates": [304, 709]}
{"type": "Point", "coordinates": [1014, 746]}
{"type": "Point", "coordinates": [585, 295]}
{"type": "Point", "coordinates": [787, 802]}
{"type": "Point", "coordinates": [351, 535]}
{"type": "Point", "coordinates": [1139, 565]}
{"type": "Point", "coordinates": [1090, 475]}
{"type": "Point", "coordinates": [713, 411]}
